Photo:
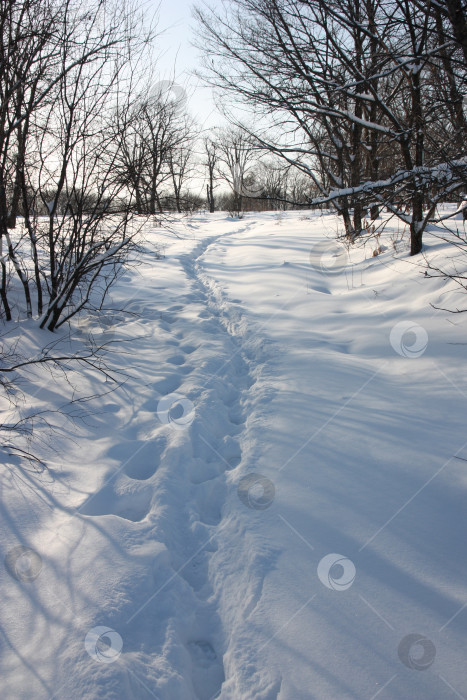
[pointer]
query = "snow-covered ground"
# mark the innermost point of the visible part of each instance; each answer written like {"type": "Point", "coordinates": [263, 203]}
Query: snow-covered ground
{"type": "Point", "coordinates": [273, 504]}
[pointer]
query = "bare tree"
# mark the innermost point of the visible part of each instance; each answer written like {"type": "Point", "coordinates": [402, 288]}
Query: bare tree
{"type": "Point", "coordinates": [29, 57]}
{"type": "Point", "coordinates": [66, 221]}
{"type": "Point", "coordinates": [65, 63]}
{"type": "Point", "coordinates": [211, 158]}
{"type": "Point", "coordinates": [180, 161]}
{"type": "Point", "coordinates": [280, 58]}
{"type": "Point", "coordinates": [345, 90]}
{"type": "Point", "coordinates": [148, 131]}
{"type": "Point", "coordinates": [236, 156]}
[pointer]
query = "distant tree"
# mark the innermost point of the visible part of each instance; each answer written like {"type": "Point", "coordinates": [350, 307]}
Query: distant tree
{"type": "Point", "coordinates": [354, 94]}
{"type": "Point", "coordinates": [236, 156]}
{"type": "Point", "coordinates": [180, 163]}
{"type": "Point", "coordinates": [211, 164]}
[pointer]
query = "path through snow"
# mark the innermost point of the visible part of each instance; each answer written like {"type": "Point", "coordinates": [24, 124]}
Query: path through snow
{"type": "Point", "coordinates": [271, 504]}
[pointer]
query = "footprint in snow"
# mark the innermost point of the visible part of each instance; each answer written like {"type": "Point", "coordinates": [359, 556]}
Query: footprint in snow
{"type": "Point", "coordinates": [165, 326]}
{"type": "Point", "coordinates": [319, 289]}
{"type": "Point", "coordinates": [185, 369]}
{"type": "Point", "coordinates": [167, 385]}
{"type": "Point", "coordinates": [236, 416]}
{"type": "Point", "coordinates": [139, 459]}
{"type": "Point", "coordinates": [231, 452]}
{"type": "Point", "coordinates": [132, 505]}
{"type": "Point", "coordinates": [208, 670]}
{"type": "Point", "coordinates": [211, 494]}
{"type": "Point", "coordinates": [202, 471]}
{"type": "Point", "coordinates": [168, 317]}
{"type": "Point", "coordinates": [194, 572]}
{"type": "Point", "coordinates": [176, 360]}
{"type": "Point", "coordinates": [188, 349]}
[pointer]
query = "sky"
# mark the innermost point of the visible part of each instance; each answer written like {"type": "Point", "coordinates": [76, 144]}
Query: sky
{"type": "Point", "coordinates": [178, 58]}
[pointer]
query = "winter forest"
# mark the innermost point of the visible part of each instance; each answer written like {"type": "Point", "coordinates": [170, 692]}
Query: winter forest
{"type": "Point", "coordinates": [232, 351]}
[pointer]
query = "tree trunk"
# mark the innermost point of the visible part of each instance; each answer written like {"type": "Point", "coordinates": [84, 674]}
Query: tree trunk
{"type": "Point", "coordinates": [210, 195]}
{"type": "Point", "coordinates": [357, 219]}
{"type": "Point", "coordinates": [357, 129]}
{"type": "Point", "coordinates": [3, 293]}
{"type": "Point", "coordinates": [344, 212]}
{"type": "Point", "coordinates": [416, 225]}
{"type": "Point", "coordinates": [416, 235]}
{"type": "Point", "coordinates": [3, 231]}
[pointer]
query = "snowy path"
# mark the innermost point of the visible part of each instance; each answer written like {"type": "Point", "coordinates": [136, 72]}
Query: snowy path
{"type": "Point", "coordinates": [270, 505]}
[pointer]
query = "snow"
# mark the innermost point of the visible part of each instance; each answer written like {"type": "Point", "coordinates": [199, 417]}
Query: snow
{"type": "Point", "coordinates": [272, 502]}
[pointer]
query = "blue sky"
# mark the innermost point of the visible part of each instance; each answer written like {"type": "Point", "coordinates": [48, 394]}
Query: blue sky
{"type": "Point", "coordinates": [178, 58]}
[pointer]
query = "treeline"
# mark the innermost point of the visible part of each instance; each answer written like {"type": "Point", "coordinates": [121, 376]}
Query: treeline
{"type": "Point", "coordinates": [363, 97]}
{"type": "Point", "coordinates": [90, 147]}
{"type": "Point", "coordinates": [355, 104]}
{"type": "Point", "coordinates": [88, 144]}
